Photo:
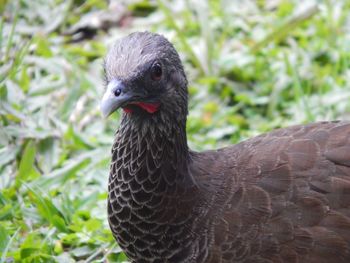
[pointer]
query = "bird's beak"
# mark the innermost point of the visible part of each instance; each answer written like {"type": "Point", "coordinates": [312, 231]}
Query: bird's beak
{"type": "Point", "coordinates": [116, 96]}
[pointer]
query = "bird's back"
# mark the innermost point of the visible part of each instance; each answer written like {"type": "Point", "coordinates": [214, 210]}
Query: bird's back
{"type": "Point", "coordinates": [280, 197]}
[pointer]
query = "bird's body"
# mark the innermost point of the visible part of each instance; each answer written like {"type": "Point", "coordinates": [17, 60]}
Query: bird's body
{"type": "Point", "coordinates": [280, 197]}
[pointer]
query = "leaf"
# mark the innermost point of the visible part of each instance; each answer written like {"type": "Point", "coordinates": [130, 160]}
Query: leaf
{"type": "Point", "coordinates": [25, 80]}
{"type": "Point", "coordinates": [3, 93]}
{"type": "Point", "coordinates": [78, 140]}
{"type": "Point", "coordinates": [47, 209]}
{"type": "Point", "coordinates": [81, 252]}
{"type": "Point", "coordinates": [27, 252]}
{"type": "Point", "coordinates": [43, 47]}
{"type": "Point", "coordinates": [4, 238]}
{"type": "Point", "coordinates": [48, 154]}
{"type": "Point", "coordinates": [8, 154]}
{"type": "Point", "coordinates": [282, 31]}
{"type": "Point", "coordinates": [26, 165]}
{"type": "Point", "coordinates": [93, 224]}
{"type": "Point", "coordinates": [59, 222]}
{"type": "Point", "coordinates": [61, 175]}
{"type": "Point", "coordinates": [7, 246]}
{"type": "Point", "coordinates": [33, 247]}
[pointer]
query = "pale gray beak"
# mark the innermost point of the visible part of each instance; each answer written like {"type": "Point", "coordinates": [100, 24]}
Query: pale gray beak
{"type": "Point", "coordinates": [115, 97]}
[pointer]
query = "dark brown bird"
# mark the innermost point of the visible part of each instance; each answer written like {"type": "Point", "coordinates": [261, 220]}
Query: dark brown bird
{"type": "Point", "coordinates": [283, 196]}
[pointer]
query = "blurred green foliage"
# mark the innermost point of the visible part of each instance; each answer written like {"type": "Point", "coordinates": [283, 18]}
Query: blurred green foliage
{"type": "Point", "coordinates": [252, 66]}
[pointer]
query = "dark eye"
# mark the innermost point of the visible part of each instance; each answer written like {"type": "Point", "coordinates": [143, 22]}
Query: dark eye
{"type": "Point", "coordinates": [156, 71]}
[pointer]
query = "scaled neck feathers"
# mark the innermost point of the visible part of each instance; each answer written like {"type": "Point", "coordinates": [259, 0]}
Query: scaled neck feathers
{"type": "Point", "coordinates": [152, 148]}
{"type": "Point", "coordinates": [151, 190]}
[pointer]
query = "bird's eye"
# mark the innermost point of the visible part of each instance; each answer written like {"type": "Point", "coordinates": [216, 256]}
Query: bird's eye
{"type": "Point", "coordinates": [156, 71]}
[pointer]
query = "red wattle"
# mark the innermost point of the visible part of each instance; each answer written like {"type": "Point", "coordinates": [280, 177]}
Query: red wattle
{"type": "Point", "coordinates": [149, 107]}
{"type": "Point", "coordinates": [127, 110]}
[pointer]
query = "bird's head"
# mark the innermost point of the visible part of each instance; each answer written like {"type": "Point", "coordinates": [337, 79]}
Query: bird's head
{"type": "Point", "coordinates": [144, 76]}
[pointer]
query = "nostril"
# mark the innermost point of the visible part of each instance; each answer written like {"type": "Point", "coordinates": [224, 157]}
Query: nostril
{"type": "Point", "coordinates": [117, 92]}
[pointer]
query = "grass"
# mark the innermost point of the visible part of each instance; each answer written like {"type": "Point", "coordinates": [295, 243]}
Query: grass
{"type": "Point", "coordinates": [252, 67]}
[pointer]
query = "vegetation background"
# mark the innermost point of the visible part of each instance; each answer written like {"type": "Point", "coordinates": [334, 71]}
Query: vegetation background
{"type": "Point", "coordinates": [253, 66]}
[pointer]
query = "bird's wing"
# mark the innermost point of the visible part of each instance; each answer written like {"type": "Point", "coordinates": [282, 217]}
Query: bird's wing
{"type": "Point", "coordinates": [287, 197]}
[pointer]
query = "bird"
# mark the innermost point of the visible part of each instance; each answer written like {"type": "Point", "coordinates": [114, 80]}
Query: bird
{"type": "Point", "coordinates": [283, 196]}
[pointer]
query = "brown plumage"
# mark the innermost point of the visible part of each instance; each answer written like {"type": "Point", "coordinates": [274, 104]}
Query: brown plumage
{"type": "Point", "coordinates": [280, 197]}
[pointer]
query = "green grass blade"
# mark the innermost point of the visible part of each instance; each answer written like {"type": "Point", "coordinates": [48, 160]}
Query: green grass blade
{"type": "Point", "coordinates": [170, 18]}
{"type": "Point", "coordinates": [281, 32]}
{"type": "Point", "coordinates": [47, 208]}
{"type": "Point", "coordinates": [8, 245]}
{"type": "Point", "coordinates": [26, 164]}
{"type": "Point", "coordinates": [12, 33]}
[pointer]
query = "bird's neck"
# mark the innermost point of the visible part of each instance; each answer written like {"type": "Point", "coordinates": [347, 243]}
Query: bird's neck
{"type": "Point", "coordinates": [151, 190]}
{"type": "Point", "coordinates": [152, 151]}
